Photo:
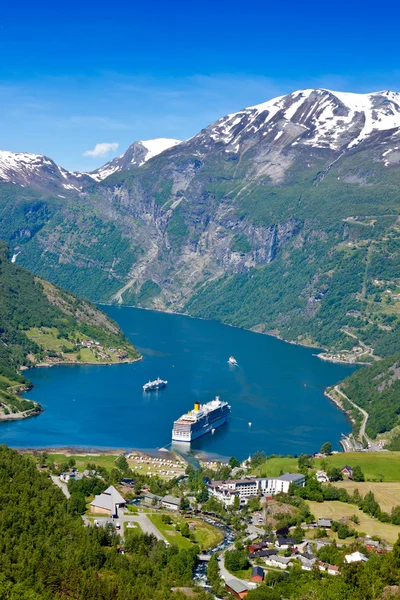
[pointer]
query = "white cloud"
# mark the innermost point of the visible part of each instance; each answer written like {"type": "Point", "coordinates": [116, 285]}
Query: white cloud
{"type": "Point", "coordinates": [101, 149]}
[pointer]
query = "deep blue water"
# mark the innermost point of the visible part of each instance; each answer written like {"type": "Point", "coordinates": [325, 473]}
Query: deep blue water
{"type": "Point", "coordinates": [277, 386]}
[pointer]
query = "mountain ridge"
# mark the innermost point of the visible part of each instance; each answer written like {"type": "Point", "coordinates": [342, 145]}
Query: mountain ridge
{"type": "Point", "coordinates": [277, 203]}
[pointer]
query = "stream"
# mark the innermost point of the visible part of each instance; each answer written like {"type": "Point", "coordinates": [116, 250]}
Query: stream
{"type": "Point", "coordinates": [200, 572]}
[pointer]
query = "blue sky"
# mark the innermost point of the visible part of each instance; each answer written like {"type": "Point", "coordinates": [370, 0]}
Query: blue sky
{"type": "Point", "coordinates": [74, 75]}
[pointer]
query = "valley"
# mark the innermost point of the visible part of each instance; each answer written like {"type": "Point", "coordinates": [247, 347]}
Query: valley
{"type": "Point", "coordinates": [282, 218]}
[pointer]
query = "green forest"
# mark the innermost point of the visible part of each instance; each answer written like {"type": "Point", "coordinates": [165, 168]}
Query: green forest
{"type": "Point", "coordinates": [46, 552]}
{"type": "Point", "coordinates": [377, 390]}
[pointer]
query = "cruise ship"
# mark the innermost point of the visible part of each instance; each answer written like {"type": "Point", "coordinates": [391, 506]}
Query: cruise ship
{"type": "Point", "coordinates": [201, 420]}
{"type": "Point", "coordinates": [157, 384]}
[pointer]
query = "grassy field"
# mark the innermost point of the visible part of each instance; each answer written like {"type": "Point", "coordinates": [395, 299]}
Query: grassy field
{"type": "Point", "coordinates": [81, 460]}
{"type": "Point", "coordinates": [386, 494]}
{"type": "Point", "coordinates": [244, 574]}
{"type": "Point", "coordinates": [368, 525]}
{"type": "Point", "coordinates": [276, 466]}
{"type": "Point", "coordinates": [374, 465]}
{"type": "Point", "coordinates": [47, 337]}
{"type": "Point", "coordinates": [206, 536]}
{"type": "Point", "coordinates": [130, 530]}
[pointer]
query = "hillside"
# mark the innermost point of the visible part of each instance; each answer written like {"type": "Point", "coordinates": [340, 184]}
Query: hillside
{"type": "Point", "coordinates": [282, 217]}
{"type": "Point", "coordinates": [40, 323]}
{"type": "Point", "coordinates": [47, 552]}
{"type": "Point", "coordinates": [377, 390]}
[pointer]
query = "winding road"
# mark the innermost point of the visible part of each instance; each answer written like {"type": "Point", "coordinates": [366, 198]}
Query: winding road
{"type": "Point", "coordinates": [373, 447]}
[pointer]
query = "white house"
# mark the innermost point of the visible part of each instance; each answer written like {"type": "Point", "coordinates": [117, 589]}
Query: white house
{"type": "Point", "coordinates": [322, 477]}
{"type": "Point", "coordinates": [306, 563]}
{"type": "Point", "coordinates": [282, 562]}
{"type": "Point", "coordinates": [355, 557]}
{"type": "Point", "coordinates": [171, 502]}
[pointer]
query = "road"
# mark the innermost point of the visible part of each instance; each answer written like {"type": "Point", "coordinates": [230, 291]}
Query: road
{"type": "Point", "coordinates": [124, 517]}
{"type": "Point", "coordinates": [372, 446]}
{"type": "Point", "coordinates": [63, 487]}
{"type": "Point", "coordinates": [224, 571]}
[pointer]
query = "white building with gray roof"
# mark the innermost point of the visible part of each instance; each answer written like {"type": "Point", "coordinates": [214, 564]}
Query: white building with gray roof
{"type": "Point", "coordinates": [108, 502]}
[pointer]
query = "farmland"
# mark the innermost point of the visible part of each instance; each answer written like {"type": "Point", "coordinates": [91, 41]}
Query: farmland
{"type": "Point", "coordinates": [368, 525]}
{"type": "Point", "coordinates": [386, 494]}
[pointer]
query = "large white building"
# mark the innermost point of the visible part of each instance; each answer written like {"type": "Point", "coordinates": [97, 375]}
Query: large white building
{"type": "Point", "coordinates": [226, 491]}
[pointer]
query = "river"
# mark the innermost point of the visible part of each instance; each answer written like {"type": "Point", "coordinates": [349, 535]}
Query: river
{"type": "Point", "coordinates": [277, 387]}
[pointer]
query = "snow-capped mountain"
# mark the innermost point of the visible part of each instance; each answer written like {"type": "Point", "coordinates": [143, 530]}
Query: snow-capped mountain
{"type": "Point", "coordinates": [273, 135]}
{"type": "Point", "coordinates": [137, 154]}
{"type": "Point", "coordinates": [317, 118]}
{"type": "Point", "coordinates": [36, 170]}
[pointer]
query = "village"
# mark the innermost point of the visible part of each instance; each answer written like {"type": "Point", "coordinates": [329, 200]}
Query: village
{"type": "Point", "coordinates": [254, 525]}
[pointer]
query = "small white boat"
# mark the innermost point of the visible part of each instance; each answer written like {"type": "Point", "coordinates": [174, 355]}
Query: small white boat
{"type": "Point", "coordinates": [232, 361]}
{"type": "Point", "coordinates": [250, 423]}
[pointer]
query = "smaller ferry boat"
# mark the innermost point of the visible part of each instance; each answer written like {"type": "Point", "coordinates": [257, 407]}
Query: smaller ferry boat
{"type": "Point", "coordinates": [232, 360]}
{"type": "Point", "coordinates": [157, 384]}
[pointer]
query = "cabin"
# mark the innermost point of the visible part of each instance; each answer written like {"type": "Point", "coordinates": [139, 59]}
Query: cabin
{"type": "Point", "coordinates": [283, 543]}
{"type": "Point", "coordinates": [333, 570]}
{"type": "Point", "coordinates": [171, 502]}
{"type": "Point", "coordinates": [322, 477]}
{"type": "Point", "coordinates": [307, 563]}
{"type": "Point", "coordinates": [347, 471]}
{"type": "Point", "coordinates": [107, 503]}
{"type": "Point", "coordinates": [257, 574]}
{"type": "Point", "coordinates": [255, 547]}
{"type": "Point", "coordinates": [278, 561]}
{"type": "Point", "coordinates": [325, 523]}
{"type": "Point", "coordinates": [237, 588]}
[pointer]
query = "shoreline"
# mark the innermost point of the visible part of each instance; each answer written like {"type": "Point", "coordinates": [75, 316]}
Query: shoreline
{"type": "Point", "coordinates": [39, 410]}
{"type": "Point", "coordinates": [323, 355]}
{"type": "Point", "coordinates": [81, 362]}
{"type": "Point", "coordinates": [21, 415]}
{"type": "Point", "coordinates": [252, 330]}
{"type": "Point", "coordinates": [70, 451]}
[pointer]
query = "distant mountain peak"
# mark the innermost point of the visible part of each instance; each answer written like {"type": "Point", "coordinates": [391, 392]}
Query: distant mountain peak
{"type": "Point", "coordinates": [136, 155]}
{"type": "Point", "coordinates": [323, 118]}
{"type": "Point", "coordinates": [37, 170]}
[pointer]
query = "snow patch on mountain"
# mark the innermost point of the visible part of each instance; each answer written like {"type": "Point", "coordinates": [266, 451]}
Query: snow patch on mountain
{"type": "Point", "coordinates": [136, 155]}
{"type": "Point", "coordinates": [157, 146]}
{"type": "Point", "coordinates": [332, 120]}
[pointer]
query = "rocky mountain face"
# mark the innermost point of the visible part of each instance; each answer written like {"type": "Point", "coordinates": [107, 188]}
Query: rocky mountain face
{"type": "Point", "coordinates": [137, 154]}
{"type": "Point", "coordinates": [281, 217]}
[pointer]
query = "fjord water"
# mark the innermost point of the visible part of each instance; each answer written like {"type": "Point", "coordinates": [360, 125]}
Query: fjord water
{"type": "Point", "coordinates": [277, 386]}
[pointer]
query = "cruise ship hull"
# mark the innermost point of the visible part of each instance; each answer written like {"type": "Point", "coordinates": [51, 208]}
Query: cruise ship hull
{"type": "Point", "coordinates": [178, 436]}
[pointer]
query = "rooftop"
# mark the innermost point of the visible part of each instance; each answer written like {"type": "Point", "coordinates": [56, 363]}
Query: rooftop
{"type": "Point", "coordinates": [237, 586]}
{"type": "Point", "coordinates": [109, 499]}
{"type": "Point", "coordinates": [171, 500]}
{"type": "Point", "coordinates": [290, 477]}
